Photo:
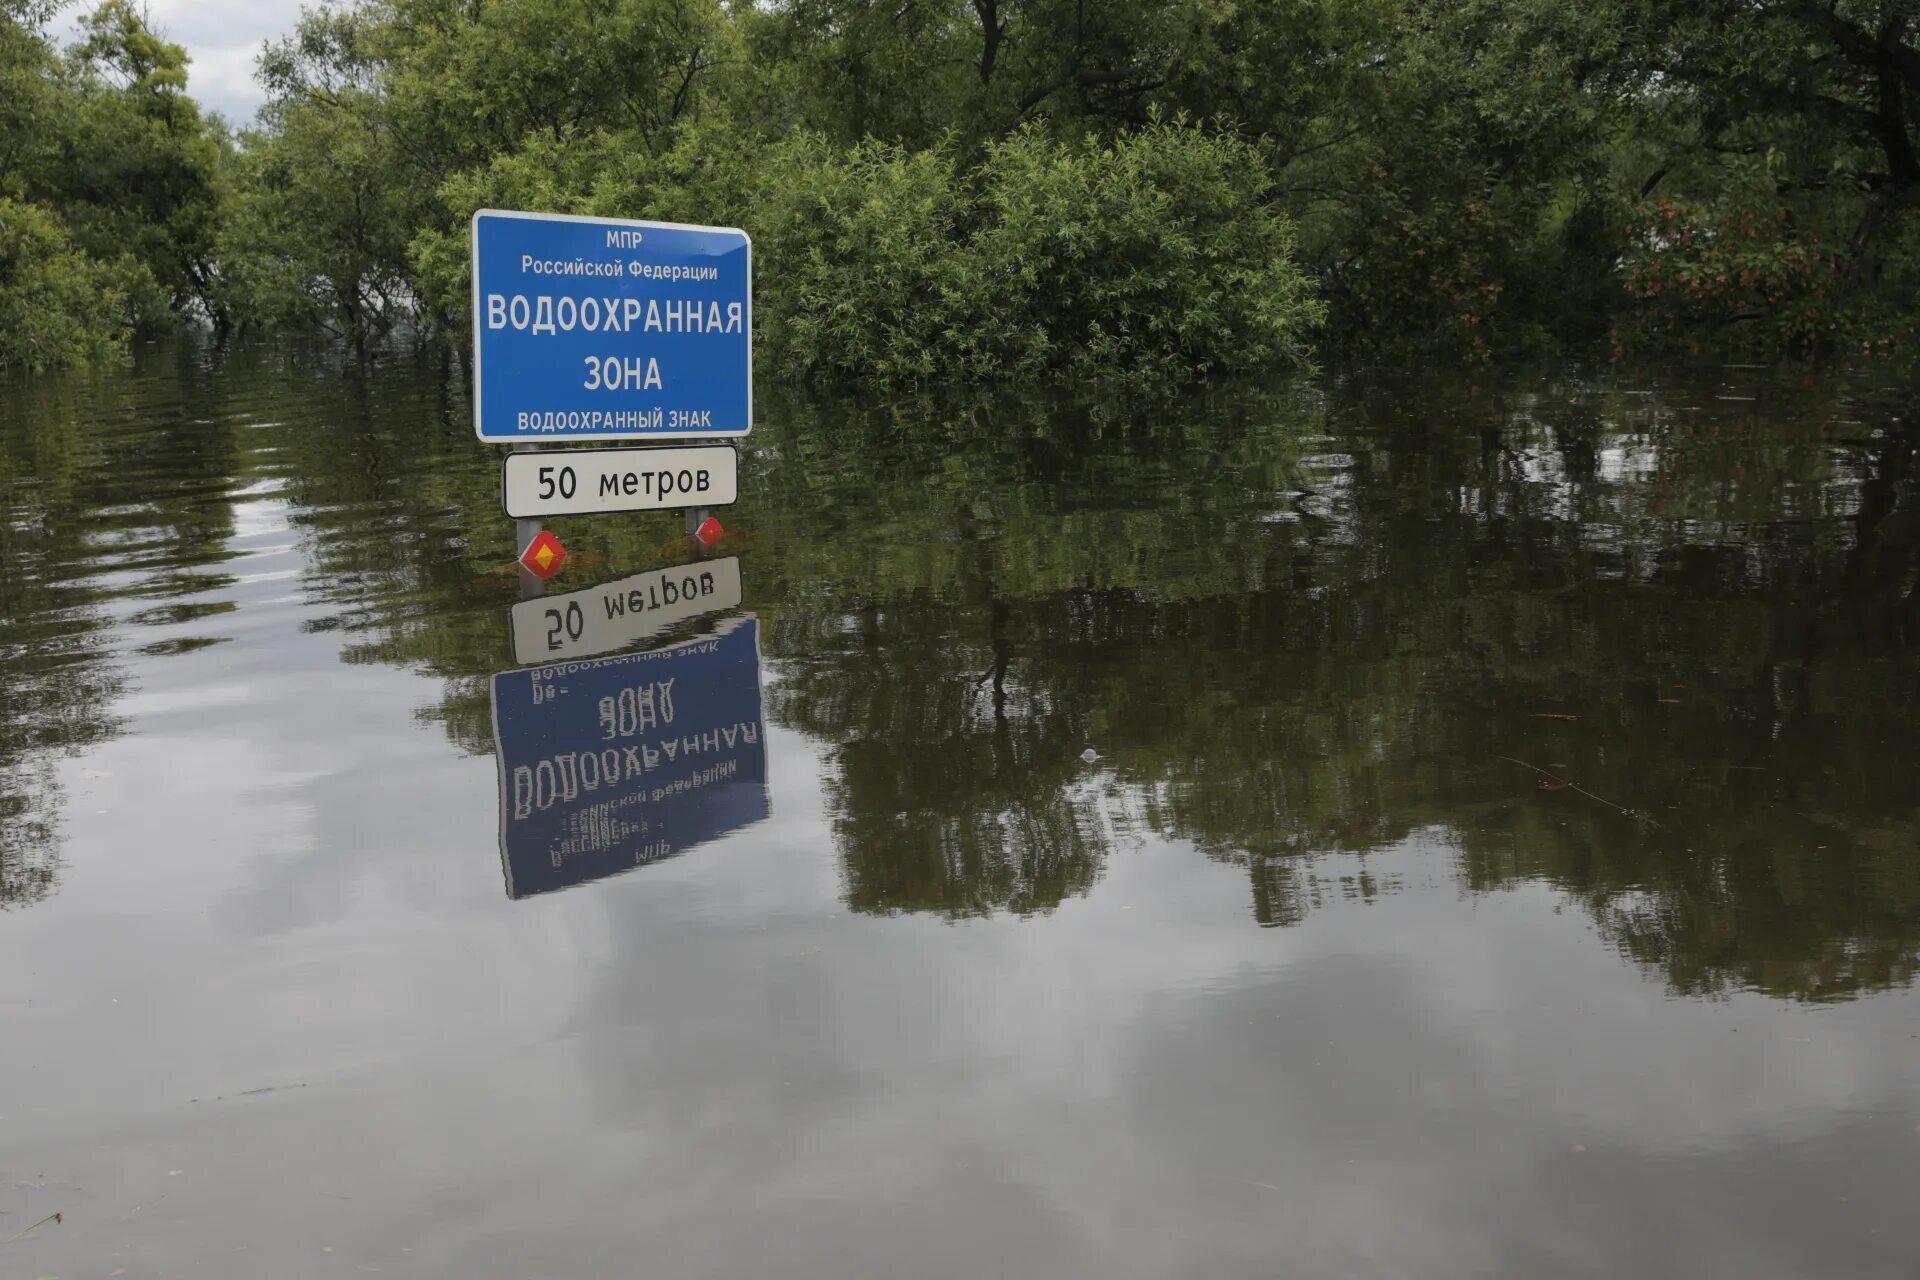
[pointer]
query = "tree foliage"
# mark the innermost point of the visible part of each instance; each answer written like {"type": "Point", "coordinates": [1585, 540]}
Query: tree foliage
{"type": "Point", "coordinates": [1454, 176]}
{"type": "Point", "coordinates": [57, 305]}
{"type": "Point", "coordinates": [1150, 259]}
{"type": "Point", "coordinates": [115, 182]}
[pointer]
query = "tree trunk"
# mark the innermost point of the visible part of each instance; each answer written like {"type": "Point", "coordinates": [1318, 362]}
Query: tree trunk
{"type": "Point", "coordinates": [992, 32]}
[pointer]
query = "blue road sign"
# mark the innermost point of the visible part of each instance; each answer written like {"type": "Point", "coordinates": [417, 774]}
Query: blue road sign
{"type": "Point", "coordinates": [608, 328]}
{"type": "Point", "coordinates": [616, 763]}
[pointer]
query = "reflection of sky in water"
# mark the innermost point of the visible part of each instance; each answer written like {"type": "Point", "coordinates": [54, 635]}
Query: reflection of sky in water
{"type": "Point", "coordinates": [705, 1055]}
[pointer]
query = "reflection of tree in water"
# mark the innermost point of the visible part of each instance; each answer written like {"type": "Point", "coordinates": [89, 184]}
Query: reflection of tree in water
{"type": "Point", "coordinates": [1698, 619]}
{"type": "Point", "coordinates": [959, 785]}
{"type": "Point", "coordinates": [398, 508]}
{"type": "Point", "coordinates": [954, 790]}
{"type": "Point", "coordinates": [116, 497]}
{"type": "Point", "coordinates": [1749, 693]}
{"type": "Point", "coordinates": [1770, 745]}
{"type": "Point", "coordinates": [58, 692]}
{"type": "Point", "coordinates": [1293, 635]}
{"type": "Point", "coordinates": [44, 715]}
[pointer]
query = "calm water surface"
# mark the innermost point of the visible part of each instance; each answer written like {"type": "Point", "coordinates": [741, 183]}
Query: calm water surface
{"type": "Point", "coordinates": [1411, 829]}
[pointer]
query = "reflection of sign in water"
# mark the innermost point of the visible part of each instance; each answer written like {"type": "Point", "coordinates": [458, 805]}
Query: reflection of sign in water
{"type": "Point", "coordinates": [612, 764]}
{"type": "Point", "coordinates": [618, 613]}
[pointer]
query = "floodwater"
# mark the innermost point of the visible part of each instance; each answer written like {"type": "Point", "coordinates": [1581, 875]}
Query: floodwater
{"type": "Point", "coordinates": [1380, 828]}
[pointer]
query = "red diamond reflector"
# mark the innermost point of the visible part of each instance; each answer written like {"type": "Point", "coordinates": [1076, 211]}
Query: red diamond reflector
{"type": "Point", "coordinates": [544, 556]}
{"type": "Point", "coordinates": [710, 531]}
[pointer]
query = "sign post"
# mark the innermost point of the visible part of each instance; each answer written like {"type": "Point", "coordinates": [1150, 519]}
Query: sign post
{"type": "Point", "coordinates": [591, 329]}
{"type": "Point", "coordinates": [524, 532]}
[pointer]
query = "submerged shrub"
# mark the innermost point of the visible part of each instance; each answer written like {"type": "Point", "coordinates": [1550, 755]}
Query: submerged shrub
{"type": "Point", "coordinates": [1749, 274]}
{"type": "Point", "coordinates": [57, 306]}
{"type": "Point", "coordinates": [1156, 257]}
{"type": "Point", "coordinates": [863, 270]}
{"type": "Point", "coordinates": [1152, 260]}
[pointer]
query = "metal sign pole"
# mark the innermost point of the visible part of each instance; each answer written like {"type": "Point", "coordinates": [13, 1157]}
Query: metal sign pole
{"type": "Point", "coordinates": [543, 362]}
{"type": "Point", "coordinates": [697, 516]}
{"type": "Point", "coordinates": [524, 532]}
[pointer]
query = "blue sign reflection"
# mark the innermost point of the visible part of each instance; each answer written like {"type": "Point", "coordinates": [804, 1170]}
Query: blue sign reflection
{"type": "Point", "coordinates": [618, 762]}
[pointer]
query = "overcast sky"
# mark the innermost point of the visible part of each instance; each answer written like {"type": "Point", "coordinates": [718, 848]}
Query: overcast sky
{"type": "Point", "coordinates": [224, 38]}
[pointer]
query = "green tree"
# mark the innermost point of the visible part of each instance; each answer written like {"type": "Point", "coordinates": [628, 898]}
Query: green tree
{"type": "Point", "coordinates": [125, 178]}
{"type": "Point", "coordinates": [381, 117]}
{"type": "Point", "coordinates": [139, 170]}
{"type": "Point", "coordinates": [316, 234]}
{"type": "Point", "coordinates": [1797, 138]}
{"type": "Point", "coordinates": [29, 94]}
{"type": "Point", "coordinates": [57, 305]}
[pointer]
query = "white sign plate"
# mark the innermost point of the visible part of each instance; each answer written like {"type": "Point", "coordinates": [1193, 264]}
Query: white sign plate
{"type": "Point", "coordinates": [579, 482]}
{"type": "Point", "coordinates": [615, 614]}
